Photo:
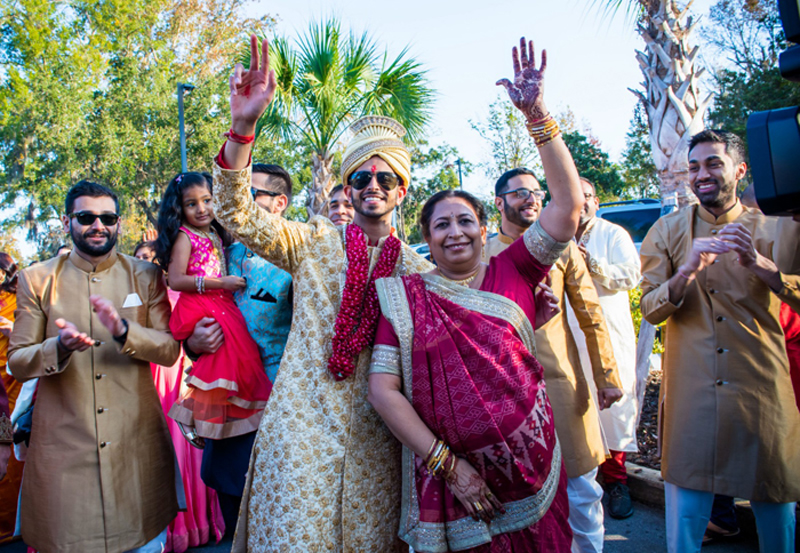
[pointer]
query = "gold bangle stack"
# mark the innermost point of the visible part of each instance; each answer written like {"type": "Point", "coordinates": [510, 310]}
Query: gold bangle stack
{"type": "Point", "coordinates": [544, 130]}
{"type": "Point", "coordinates": [440, 461]}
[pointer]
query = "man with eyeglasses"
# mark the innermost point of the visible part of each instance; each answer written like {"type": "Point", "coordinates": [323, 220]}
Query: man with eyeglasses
{"type": "Point", "coordinates": [519, 197]}
{"type": "Point", "coordinates": [266, 304]}
{"type": "Point", "coordinates": [613, 264]}
{"type": "Point", "coordinates": [99, 474]}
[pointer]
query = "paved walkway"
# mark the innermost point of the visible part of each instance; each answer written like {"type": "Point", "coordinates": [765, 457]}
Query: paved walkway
{"type": "Point", "coordinates": [641, 533]}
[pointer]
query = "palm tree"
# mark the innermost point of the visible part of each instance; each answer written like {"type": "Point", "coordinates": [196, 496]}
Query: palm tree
{"type": "Point", "coordinates": [671, 94]}
{"type": "Point", "coordinates": [327, 80]}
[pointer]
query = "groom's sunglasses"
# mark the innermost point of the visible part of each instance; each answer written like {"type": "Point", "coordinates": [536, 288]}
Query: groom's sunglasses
{"type": "Point", "coordinates": [87, 218]}
{"type": "Point", "coordinates": [387, 181]}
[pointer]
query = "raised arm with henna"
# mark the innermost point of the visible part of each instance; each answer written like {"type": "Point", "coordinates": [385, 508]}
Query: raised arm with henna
{"type": "Point", "coordinates": [251, 93]}
{"type": "Point", "coordinates": [560, 218]}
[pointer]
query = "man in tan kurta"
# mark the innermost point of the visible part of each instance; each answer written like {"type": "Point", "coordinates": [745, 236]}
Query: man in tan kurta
{"type": "Point", "coordinates": [574, 410]}
{"type": "Point", "coordinates": [728, 419]}
{"type": "Point", "coordinates": [99, 475]}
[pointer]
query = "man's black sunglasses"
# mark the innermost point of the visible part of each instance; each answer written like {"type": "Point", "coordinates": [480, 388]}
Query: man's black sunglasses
{"type": "Point", "coordinates": [87, 218]}
{"type": "Point", "coordinates": [361, 179]}
{"type": "Point", "coordinates": [257, 192]}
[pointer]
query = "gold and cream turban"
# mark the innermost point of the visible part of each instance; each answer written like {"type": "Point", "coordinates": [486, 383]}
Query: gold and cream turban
{"type": "Point", "coordinates": [375, 135]}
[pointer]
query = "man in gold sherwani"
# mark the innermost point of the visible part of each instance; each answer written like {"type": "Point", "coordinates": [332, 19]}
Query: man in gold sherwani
{"type": "Point", "coordinates": [729, 424]}
{"type": "Point", "coordinates": [99, 476]}
{"type": "Point", "coordinates": [518, 197]}
{"type": "Point", "coordinates": [325, 471]}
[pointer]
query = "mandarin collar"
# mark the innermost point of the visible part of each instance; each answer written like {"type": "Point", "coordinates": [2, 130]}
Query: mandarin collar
{"type": "Point", "coordinates": [728, 217]}
{"type": "Point", "coordinates": [503, 238]}
{"type": "Point", "coordinates": [87, 267]}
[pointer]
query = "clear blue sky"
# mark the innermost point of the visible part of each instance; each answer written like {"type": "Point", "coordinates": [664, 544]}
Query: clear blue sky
{"type": "Point", "coordinates": [466, 46]}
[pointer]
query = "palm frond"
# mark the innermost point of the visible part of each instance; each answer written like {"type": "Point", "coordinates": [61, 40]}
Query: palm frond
{"type": "Point", "coordinates": [402, 92]}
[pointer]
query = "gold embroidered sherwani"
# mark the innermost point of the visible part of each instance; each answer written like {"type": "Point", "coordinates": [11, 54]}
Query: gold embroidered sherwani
{"type": "Point", "coordinates": [575, 412]}
{"type": "Point", "coordinates": [729, 422]}
{"type": "Point", "coordinates": [325, 471]}
{"type": "Point", "coordinates": [100, 471]}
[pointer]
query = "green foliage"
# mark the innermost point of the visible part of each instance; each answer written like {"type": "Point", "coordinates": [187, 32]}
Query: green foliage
{"type": "Point", "coordinates": [593, 164]}
{"type": "Point", "coordinates": [507, 136]}
{"type": "Point", "coordinates": [635, 298]}
{"type": "Point", "coordinates": [328, 79]}
{"type": "Point", "coordinates": [638, 170]}
{"type": "Point", "coordinates": [748, 34]}
{"type": "Point", "coordinates": [432, 170]}
{"type": "Point", "coordinates": [88, 90]}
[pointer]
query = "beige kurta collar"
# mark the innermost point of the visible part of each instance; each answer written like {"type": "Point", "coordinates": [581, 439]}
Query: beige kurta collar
{"type": "Point", "coordinates": [86, 266]}
{"type": "Point", "coordinates": [504, 238]}
{"type": "Point", "coordinates": [728, 217]}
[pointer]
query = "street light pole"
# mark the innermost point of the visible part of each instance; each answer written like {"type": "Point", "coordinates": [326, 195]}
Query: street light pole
{"type": "Point", "coordinates": [460, 182]}
{"type": "Point", "coordinates": [181, 89]}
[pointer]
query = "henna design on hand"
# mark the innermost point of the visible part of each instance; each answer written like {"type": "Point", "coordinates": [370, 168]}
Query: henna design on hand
{"type": "Point", "coordinates": [474, 484]}
{"type": "Point", "coordinates": [527, 90]}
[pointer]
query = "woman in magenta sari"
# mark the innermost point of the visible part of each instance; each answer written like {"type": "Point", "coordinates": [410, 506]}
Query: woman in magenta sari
{"type": "Point", "coordinates": [454, 373]}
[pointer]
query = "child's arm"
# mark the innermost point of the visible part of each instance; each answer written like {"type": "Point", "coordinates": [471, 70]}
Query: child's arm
{"type": "Point", "coordinates": [181, 282]}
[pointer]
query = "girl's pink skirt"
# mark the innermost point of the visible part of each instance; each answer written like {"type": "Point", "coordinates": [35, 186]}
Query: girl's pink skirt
{"type": "Point", "coordinates": [228, 389]}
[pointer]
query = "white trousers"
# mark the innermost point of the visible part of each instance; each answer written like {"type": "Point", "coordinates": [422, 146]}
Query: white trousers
{"type": "Point", "coordinates": [687, 513]}
{"type": "Point", "coordinates": [156, 545]}
{"type": "Point", "coordinates": [586, 513]}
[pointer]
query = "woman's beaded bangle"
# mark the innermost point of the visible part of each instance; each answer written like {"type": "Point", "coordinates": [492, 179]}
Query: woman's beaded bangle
{"type": "Point", "coordinates": [544, 130]}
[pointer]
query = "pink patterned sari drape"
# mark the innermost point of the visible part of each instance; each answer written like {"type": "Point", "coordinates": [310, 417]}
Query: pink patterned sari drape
{"type": "Point", "coordinates": [475, 383]}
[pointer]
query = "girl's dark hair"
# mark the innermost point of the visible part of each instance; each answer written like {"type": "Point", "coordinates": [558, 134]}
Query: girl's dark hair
{"type": "Point", "coordinates": [427, 209]}
{"type": "Point", "coordinates": [10, 268]}
{"type": "Point", "coordinates": [170, 214]}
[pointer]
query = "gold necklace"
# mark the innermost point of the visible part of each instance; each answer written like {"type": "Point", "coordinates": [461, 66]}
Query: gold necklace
{"type": "Point", "coordinates": [463, 281]}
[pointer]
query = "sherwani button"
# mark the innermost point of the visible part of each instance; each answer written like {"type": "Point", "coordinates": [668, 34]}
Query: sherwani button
{"type": "Point", "coordinates": [714, 231]}
{"type": "Point", "coordinates": [100, 410]}
{"type": "Point", "coordinates": [720, 382]}
{"type": "Point", "coordinates": [712, 291]}
{"type": "Point", "coordinates": [98, 376]}
{"type": "Point", "coordinates": [720, 318]}
{"type": "Point", "coordinates": [720, 350]}
{"type": "Point", "coordinates": [95, 279]}
{"type": "Point", "coordinates": [103, 444]}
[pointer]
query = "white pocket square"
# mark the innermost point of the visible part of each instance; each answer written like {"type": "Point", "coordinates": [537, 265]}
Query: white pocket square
{"type": "Point", "coordinates": [133, 300]}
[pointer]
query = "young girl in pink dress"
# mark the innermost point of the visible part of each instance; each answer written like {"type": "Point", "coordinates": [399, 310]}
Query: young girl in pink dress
{"type": "Point", "coordinates": [228, 389]}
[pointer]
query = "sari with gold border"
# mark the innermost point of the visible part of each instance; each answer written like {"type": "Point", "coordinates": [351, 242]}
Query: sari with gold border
{"type": "Point", "coordinates": [466, 359]}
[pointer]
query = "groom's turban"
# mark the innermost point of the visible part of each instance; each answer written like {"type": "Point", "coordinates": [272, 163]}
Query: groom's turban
{"type": "Point", "coordinates": [375, 135]}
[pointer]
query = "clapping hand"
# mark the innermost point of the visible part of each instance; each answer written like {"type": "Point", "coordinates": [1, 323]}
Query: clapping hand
{"type": "Point", "coordinates": [70, 338]}
{"type": "Point", "coordinates": [108, 315]}
{"type": "Point", "coordinates": [527, 90]}
{"type": "Point", "coordinates": [251, 90]}
{"type": "Point", "coordinates": [739, 240]}
{"type": "Point", "coordinates": [704, 252]}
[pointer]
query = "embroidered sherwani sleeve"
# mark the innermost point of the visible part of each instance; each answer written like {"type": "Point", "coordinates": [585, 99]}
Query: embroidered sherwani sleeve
{"type": "Point", "coordinates": [656, 272]}
{"type": "Point", "coordinates": [620, 270]}
{"type": "Point", "coordinates": [543, 247]}
{"type": "Point", "coordinates": [583, 298]}
{"type": "Point", "coordinates": [283, 243]}
{"type": "Point", "coordinates": [30, 355]}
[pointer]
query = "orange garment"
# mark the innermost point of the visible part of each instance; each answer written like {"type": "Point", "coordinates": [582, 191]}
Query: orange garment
{"type": "Point", "coordinates": [9, 486]}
